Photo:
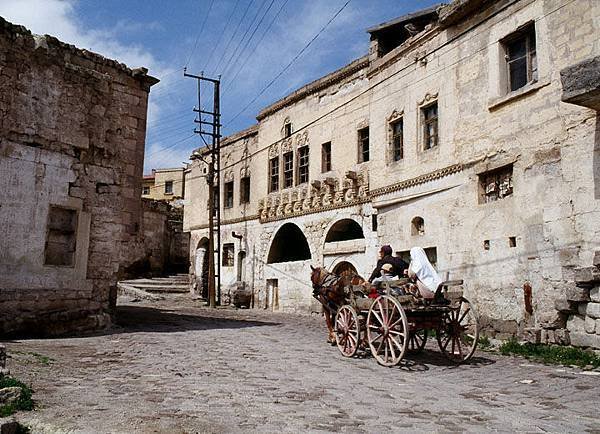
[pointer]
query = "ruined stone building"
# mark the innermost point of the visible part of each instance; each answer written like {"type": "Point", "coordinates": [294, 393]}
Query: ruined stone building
{"type": "Point", "coordinates": [164, 184]}
{"type": "Point", "coordinates": [469, 129]}
{"type": "Point", "coordinates": [72, 132]}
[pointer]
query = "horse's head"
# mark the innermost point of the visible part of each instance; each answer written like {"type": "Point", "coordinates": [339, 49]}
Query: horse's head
{"type": "Point", "coordinates": [317, 276]}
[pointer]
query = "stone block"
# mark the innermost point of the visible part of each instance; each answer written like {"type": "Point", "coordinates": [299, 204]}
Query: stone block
{"type": "Point", "coordinates": [590, 324]}
{"type": "Point", "coordinates": [595, 294]}
{"type": "Point", "coordinates": [532, 335]}
{"type": "Point", "coordinates": [9, 395]}
{"type": "Point", "coordinates": [597, 259]}
{"type": "Point", "coordinates": [561, 337]}
{"type": "Point", "coordinates": [576, 323]}
{"type": "Point", "coordinates": [578, 294]}
{"type": "Point", "coordinates": [551, 319]}
{"type": "Point", "coordinates": [2, 356]}
{"type": "Point", "coordinates": [8, 425]}
{"type": "Point", "coordinates": [565, 306]}
{"type": "Point", "coordinates": [593, 310]}
{"type": "Point", "coordinates": [585, 275]}
{"type": "Point", "coordinates": [581, 309]}
{"type": "Point", "coordinates": [582, 339]}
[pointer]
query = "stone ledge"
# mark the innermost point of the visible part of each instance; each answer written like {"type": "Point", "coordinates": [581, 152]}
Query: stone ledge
{"type": "Point", "coordinates": [496, 103]}
{"type": "Point", "coordinates": [582, 339]}
{"type": "Point", "coordinates": [581, 83]}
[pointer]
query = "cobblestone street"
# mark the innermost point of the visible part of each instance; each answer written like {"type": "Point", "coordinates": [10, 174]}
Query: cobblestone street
{"type": "Point", "coordinates": [170, 369]}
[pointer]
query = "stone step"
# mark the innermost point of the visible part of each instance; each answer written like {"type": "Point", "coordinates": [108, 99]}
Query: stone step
{"type": "Point", "coordinates": [154, 282]}
{"type": "Point", "coordinates": [161, 288]}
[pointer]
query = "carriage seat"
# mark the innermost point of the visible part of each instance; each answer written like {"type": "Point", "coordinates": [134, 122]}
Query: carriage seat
{"type": "Point", "coordinates": [443, 287]}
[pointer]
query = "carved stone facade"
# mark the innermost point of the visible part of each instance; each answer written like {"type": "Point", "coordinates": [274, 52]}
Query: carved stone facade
{"type": "Point", "coordinates": [501, 176]}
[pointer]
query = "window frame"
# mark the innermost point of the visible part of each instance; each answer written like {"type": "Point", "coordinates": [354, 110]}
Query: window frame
{"type": "Point", "coordinates": [303, 165]}
{"type": "Point", "coordinates": [274, 174]}
{"type": "Point", "coordinates": [288, 169]}
{"type": "Point", "coordinates": [395, 138]}
{"type": "Point", "coordinates": [430, 121]}
{"type": "Point", "coordinates": [528, 34]}
{"type": "Point", "coordinates": [228, 193]}
{"type": "Point", "coordinates": [244, 190]}
{"type": "Point", "coordinates": [484, 179]}
{"type": "Point", "coordinates": [145, 190]}
{"type": "Point", "coordinates": [168, 187]}
{"type": "Point", "coordinates": [326, 157]}
{"type": "Point", "coordinates": [228, 261]}
{"type": "Point", "coordinates": [363, 139]}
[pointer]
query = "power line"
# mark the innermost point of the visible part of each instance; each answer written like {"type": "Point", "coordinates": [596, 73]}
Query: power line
{"type": "Point", "coordinates": [170, 147]}
{"type": "Point", "coordinates": [233, 36]}
{"type": "Point", "coordinates": [292, 61]}
{"type": "Point", "coordinates": [199, 33]}
{"type": "Point", "coordinates": [244, 36]}
{"type": "Point", "coordinates": [256, 46]}
{"type": "Point", "coordinates": [251, 36]}
{"type": "Point", "coordinates": [212, 52]}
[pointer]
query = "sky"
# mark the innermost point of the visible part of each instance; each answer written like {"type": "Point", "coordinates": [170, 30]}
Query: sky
{"type": "Point", "coordinates": [260, 48]}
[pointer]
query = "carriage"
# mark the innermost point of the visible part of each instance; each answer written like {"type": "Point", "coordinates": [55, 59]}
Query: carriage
{"type": "Point", "coordinates": [390, 326]}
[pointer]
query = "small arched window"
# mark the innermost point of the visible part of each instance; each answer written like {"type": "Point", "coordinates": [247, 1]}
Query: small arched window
{"type": "Point", "coordinates": [287, 128]}
{"type": "Point", "coordinates": [417, 226]}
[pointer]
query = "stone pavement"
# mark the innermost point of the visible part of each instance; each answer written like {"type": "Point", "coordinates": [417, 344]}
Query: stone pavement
{"type": "Point", "coordinates": [173, 369]}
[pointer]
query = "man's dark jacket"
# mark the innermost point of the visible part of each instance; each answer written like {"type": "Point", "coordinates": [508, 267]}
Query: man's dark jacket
{"type": "Point", "coordinates": [398, 266]}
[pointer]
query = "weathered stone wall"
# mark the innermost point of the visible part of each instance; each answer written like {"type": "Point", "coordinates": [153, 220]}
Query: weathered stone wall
{"type": "Point", "coordinates": [529, 242]}
{"type": "Point", "coordinates": [161, 246]}
{"type": "Point", "coordinates": [72, 131]}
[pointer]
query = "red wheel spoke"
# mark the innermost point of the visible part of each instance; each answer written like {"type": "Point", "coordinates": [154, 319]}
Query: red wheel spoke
{"type": "Point", "coordinates": [464, 314]}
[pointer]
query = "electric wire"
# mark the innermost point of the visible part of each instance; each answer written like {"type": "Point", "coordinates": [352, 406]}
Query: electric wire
{"type": "Point", "coordinates": [214, 47]}
{"type": "Point", "coordinates": [291, 62]}
{"type": "Point", "coordinates": [232, 36]}
{"type": "Point", "coordinates": [199, 33]}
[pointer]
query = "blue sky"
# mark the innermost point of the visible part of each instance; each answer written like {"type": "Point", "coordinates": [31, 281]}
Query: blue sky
{"type": "Point", "coordinates": [165, 36]}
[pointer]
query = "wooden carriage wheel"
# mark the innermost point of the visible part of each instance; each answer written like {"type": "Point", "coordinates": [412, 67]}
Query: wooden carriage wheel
{"type": "Point", "coordinates": [387, 330]}
{"type": "Point", "coordinates": [459, 332]}
{"type": "Point", "coordinates": [417, 340]}
{"type": "Point", "coordinates": [347, 330]}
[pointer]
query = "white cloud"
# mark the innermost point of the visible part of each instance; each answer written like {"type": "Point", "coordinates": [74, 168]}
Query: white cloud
{"type": "Point", "coordinates": [58, 18]}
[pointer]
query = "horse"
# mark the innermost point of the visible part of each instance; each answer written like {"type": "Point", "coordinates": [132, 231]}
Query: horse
{"type": "Point", "coordinates": [328, 288]}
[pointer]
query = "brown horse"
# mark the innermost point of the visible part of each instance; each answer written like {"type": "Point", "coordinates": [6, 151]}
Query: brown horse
{"type": "Point", "coordinates": [328, 288]}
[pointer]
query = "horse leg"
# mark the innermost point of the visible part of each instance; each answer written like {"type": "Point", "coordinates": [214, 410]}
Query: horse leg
{"type": "Point", "coordinates": [328, 320]}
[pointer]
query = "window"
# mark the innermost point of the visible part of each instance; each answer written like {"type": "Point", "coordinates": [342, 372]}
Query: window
{"type": "Point", "coordinates": [228, 195]}
{"type": "Point", "coordinates": [274, 174]}
{"type": "Point", "coordinates": [326, 157]}
{"type": "Point", "coordinates": [302, 165]}
{"type": "Point", "coordinates": [521, 60]}
{"type": "Point", "coordinates": [430, 252]}
{"type": "Point", "coordinates": [430, 125]}
{"type": "Point", "coordinates": [417, 226]}
{"type": "Point", "coordinates": [245, 189]}
{"type": "Point", "coordinates": [228, 254]}
{"type": "Point", "coordinates": [145, 190]}
{"type": "Point", "coordinates": [287, 129]}
{"type": "Point", "coordinates": [288, 169]}
{"type": "Point", "coordinates": [363, 145]}
{"type": "Point", "coordinates": [398, 139]}
{"type": "Point", "coordinates": [495, 184]}
{"type": "Point", "coordinates": [168, 187]}
{"type": "Point", "coordinates": [61, 237]}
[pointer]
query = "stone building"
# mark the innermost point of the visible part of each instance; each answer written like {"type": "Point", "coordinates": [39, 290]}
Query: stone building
{"type": "Point", "coordinates": [72, 136]}
{"type": "Point", "coordinates": [164, 184]}
{"type": "Point", "coordinates": [456, 133]}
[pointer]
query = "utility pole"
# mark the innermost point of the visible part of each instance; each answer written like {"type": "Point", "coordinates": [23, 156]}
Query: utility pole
{"type": "Point", "coordinates": [213, 180]}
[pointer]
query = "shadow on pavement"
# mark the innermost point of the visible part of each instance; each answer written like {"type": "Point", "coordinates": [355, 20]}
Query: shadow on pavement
{"type": "Point", "coordinates": [150, 319]}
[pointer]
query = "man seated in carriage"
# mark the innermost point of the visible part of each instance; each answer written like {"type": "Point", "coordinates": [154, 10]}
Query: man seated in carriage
{"type": "Point", "coordinates": [385, 257]}
{"type": "Point", "coordinates": [388, 278]}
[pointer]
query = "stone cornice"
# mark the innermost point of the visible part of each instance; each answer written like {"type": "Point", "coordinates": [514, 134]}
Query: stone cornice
{"type": "Point", "coordinates": [315, 86]}
{"type": "Point", "coordinates": [432, 176]}
{"type": "Point", "coordinates": [227, 222]}
{"type": "Point", "coordinates": [329, 207]}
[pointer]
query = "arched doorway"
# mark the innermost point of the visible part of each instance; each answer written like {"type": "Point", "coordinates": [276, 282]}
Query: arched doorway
{"type": "Point", "coordinates": [201, 267]}
{"type": "Point", "coordinates": [289, 244]}
{"type": "Point", "coordinates": [343, 230]}
{"type": "Point", "coordinates": [343, 268]}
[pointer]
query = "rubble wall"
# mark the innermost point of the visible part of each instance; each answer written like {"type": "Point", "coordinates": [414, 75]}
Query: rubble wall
{"type": "Point", "coordinates": [72, 131]}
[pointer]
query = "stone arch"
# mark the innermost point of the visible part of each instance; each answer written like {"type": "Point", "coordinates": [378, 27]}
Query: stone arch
{"type": "Point", "coordinates": [417, 226]}
{"type": "Point", "coordinates": [201, 267]}
{"type": "Point", "coordinates": [289, 244]}
{"type": "Point", "coordinates": [344, 267]}
{"type": "Point", "coordinates": [343, 230]}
